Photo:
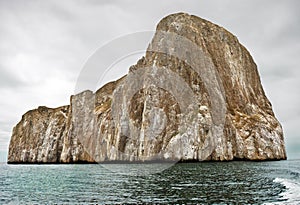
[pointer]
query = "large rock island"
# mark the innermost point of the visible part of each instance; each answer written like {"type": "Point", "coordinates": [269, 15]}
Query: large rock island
{"type": "Point", "coordinates": [196, 95]}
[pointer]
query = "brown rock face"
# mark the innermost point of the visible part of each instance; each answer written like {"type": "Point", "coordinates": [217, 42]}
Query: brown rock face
{"type": "Point", "coordinates": [196, 95]}
{"type": "Point", "coordinates": [38, 136]}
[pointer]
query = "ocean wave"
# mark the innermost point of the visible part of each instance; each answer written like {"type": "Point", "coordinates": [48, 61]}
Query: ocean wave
{"type": "Point", "coordinates": [295, 174]}
{"type": "Point", "coordinates": [292, 193]}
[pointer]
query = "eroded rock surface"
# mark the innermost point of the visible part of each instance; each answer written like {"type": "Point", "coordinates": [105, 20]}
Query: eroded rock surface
{"type": "Point", "coordinates": [196, 95]}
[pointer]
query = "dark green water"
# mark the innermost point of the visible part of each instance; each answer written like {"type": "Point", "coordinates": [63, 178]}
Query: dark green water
{"type": "Point", "coordinates": [206, 183]}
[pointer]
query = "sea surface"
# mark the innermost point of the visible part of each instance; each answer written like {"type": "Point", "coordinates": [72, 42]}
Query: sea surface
{"type": "Point", "coordinates": [276, 182]}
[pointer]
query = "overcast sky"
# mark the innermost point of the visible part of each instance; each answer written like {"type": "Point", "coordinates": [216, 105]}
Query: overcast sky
{"type": "Point", "coordinates": [44, 45]}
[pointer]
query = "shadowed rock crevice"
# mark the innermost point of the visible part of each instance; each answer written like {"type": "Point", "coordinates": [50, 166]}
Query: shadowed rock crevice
{"type": "Point", "coordinates": [196, 95]}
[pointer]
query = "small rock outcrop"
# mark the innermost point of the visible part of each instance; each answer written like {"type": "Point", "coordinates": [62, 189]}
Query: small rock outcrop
{"type": "Point", "coordinates": [195, 95]}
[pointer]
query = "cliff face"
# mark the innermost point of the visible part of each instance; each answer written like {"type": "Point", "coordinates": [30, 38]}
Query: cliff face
{"type": "Point", "coordinates": [38, 137]}
{"type": "Point", "coordinates": [196, 95]}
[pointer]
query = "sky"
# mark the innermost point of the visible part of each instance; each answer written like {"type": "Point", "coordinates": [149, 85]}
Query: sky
{"type": "Point", "coordinates": [45, 44]}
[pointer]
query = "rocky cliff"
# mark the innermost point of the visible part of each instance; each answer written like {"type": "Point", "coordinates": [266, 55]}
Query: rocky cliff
{"type": "Point", "coordinates": [195, 95]}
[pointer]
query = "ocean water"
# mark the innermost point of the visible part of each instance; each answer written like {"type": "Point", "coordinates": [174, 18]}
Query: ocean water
{"type": "Point", "coordinates": [203, 183]}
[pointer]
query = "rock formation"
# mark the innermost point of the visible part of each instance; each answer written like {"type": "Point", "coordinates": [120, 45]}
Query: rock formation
{"type": "Point", "coordinates": [195, 95]}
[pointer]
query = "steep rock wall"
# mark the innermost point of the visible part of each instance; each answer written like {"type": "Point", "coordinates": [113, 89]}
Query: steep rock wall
{"type": "Point", "coordinates": [196, 95]}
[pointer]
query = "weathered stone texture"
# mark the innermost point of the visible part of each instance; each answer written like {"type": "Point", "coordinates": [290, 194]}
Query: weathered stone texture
{"type": "Point", "coordinates": [145, 116]}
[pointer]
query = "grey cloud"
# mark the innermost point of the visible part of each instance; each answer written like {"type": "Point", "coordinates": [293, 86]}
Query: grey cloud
{"type": "Point", "coordinates": [8, 80]}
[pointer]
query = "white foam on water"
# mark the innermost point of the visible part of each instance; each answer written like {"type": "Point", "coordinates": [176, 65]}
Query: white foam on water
{"type": "Point", "coordinates": [292, 193]}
